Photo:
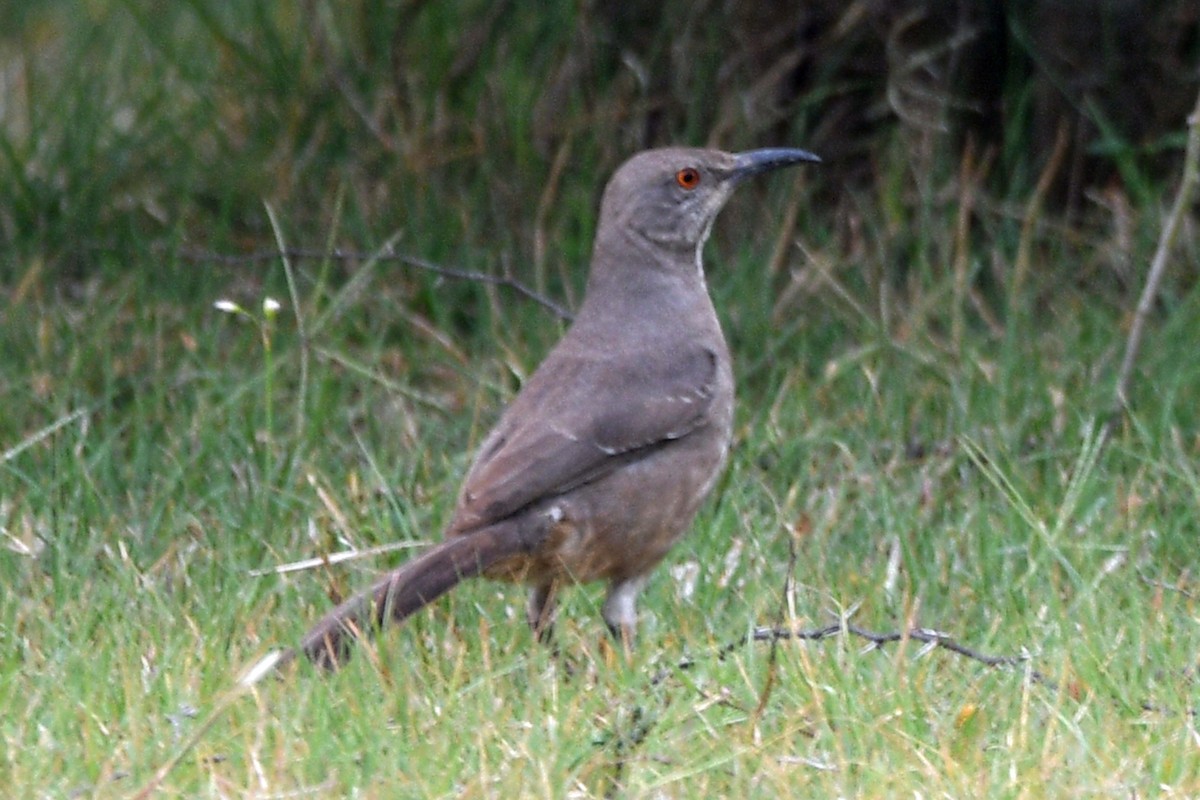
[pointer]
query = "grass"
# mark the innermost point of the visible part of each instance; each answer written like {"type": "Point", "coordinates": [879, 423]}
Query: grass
{"type": "Point", "coordinates": [155, 451]}
{"type": "Point", "coordinates": [131, 532]}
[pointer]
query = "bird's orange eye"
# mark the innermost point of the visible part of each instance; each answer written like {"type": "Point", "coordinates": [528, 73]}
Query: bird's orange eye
{"type": "Point", "coordinates": [688, 178]}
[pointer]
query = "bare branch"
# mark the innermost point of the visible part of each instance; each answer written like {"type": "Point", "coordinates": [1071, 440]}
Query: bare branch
{"type": "Point", "coordinates": [1166, 242]}
{"type": "Point", "coordinates": [935, 639]}
{"type": "Point", "coordinates": [46, 432]}
{"type": "Point", "coordinates": [1032, 216]}
{"type": "Point", "coordinates": [924, 635]}
{"type": "Point", "coordinates": [773, 658]}
{"type": "Point", "coordinates": [505, 281]}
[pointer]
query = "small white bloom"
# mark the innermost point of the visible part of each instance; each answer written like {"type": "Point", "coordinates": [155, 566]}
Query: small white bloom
{"type": "Point", "coordinates": [270, 306]}
{"type": "Point", "coordinates": [228, 306]}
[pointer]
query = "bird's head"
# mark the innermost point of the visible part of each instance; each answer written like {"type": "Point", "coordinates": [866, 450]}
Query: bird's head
{"type": "Point", "coordinates": [671, 196]}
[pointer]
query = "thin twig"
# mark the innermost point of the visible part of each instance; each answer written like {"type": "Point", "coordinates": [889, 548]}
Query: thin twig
{"type": "Point", "coordinates": [968, 179]}
{"type": "Point", "coordinates": [1146, 579]}
{"type": "Point", "coordinates": [546, 203]}
{"type": "Point", "coordinates": [1166, 242]}
{"type": "Point", "coordinates": [624, 744]}
{"type": "Point", "coordinates": [392, 386]}
{"type": "Point", "coordinates": [925, 635]}
{"type": "Point", "coordinates": [773, 656]}
{"type": "Point", "coordinates": [263, 667]}
{"type": "Point", "coordinates": [335, 558]}
{"type": "Point", "coordinates": [1032, 215]}
{"type": "Point", "coordinates": [46, 432]}
{"type": "Point", "coordinates": [298, 314]}
{"type": "Point", "coordinates": [453, 273]}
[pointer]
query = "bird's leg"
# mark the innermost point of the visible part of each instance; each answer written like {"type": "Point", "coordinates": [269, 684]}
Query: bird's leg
{"type": "Point", "coordinates": [539, 611]}
{"type": "Point", "coordinates": [620, 609]}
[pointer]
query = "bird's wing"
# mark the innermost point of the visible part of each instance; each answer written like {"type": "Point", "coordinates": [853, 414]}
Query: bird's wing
{"type": "Point", "coordinates": [581, 419]}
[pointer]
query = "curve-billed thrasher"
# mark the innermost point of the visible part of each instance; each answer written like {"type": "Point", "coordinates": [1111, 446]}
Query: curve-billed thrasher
{"type": "Point", "coordinates": [600, 463]}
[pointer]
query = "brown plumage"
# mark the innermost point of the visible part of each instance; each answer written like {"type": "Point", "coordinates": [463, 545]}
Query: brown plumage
{"type": "Point", "coordinates": [601, 461]}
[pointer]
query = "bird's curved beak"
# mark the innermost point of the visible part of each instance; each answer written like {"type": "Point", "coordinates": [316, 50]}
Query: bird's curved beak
{"type": "Point", "coordinates": [752, 162]}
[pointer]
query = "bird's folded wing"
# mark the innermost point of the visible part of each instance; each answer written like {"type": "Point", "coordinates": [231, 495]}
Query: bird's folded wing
{"type": "Point", "coordinates": [575, 423]}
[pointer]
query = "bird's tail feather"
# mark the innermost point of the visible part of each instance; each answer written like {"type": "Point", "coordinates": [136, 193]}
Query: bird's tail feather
{"type": "Point", "coordinates": [408, 588]}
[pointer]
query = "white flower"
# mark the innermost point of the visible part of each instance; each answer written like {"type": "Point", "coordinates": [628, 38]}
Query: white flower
{"type": "Point", "coordinates": [228, 306]}
{"type": "Point", "coordinates": [270, 306]}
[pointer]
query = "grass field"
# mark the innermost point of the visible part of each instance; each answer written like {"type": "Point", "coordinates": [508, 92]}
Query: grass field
{"type": "Point", "coordinates": [908, 454]}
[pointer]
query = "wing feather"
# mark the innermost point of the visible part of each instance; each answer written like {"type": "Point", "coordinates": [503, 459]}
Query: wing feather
{"type": "Point", "coordinates": [580, 419]}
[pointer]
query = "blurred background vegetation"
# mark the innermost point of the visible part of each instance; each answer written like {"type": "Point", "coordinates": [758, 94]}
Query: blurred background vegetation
{"type": "Point", "coordinates": [493, 125]}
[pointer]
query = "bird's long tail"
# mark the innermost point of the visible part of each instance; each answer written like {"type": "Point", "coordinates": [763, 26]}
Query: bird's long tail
{"type": "Point", "coordinates": [410, 587]}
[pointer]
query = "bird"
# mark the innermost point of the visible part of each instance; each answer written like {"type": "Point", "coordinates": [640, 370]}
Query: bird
{"type": "Point", "coordinates": [604, 456]}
